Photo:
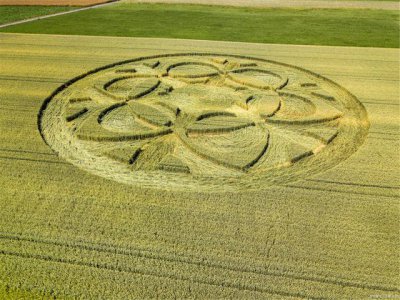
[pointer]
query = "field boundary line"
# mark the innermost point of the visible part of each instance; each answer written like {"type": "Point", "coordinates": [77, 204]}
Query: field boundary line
{"type": "Point", "coordinates": [149, 254]}
{"type": "Point", "coordinates": [58, 14]}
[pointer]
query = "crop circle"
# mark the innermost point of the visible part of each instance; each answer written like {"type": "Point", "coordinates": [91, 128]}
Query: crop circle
{"type": "Point", "coordinates": [205, 122]}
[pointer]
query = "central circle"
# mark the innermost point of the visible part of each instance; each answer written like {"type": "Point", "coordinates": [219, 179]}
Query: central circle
{"type": "Point", "coordinates": [207, 122]}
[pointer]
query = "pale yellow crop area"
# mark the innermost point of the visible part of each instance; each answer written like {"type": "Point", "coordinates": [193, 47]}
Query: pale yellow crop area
{"type": "Point", "coordinates": [67, 233]}
{"type": "Point", "coordinates": [392, 5]}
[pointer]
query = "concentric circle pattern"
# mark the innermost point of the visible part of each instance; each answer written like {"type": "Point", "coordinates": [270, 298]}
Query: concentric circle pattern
{"type": "Point", "coordinates": [206, 122]}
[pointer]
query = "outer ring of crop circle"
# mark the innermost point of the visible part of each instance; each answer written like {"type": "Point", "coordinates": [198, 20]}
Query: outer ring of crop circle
{"type": "Point", "coordinates": [246, 182]}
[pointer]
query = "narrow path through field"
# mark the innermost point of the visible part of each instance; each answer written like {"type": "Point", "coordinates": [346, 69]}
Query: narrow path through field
{"type": "Point", "coordinates": [57, 14]}
{"type": "Point", "coordinates": [386, 5]}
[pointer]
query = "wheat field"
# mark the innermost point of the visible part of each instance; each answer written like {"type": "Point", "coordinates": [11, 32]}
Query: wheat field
{"type": "Point", "coordinates": [368, 4]}
{"type": "Point", "coordinates": [330, 232]}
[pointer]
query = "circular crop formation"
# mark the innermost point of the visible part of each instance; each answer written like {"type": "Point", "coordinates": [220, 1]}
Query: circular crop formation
{"type": "Point", "coordinates": [206, 122]}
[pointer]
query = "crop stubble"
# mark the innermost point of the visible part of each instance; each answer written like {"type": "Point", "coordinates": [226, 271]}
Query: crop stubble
{"type": "Point", "coordinates": [331, 235]}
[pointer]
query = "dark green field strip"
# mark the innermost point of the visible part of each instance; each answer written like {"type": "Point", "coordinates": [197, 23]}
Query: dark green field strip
{"type": "Point", "coordinates": [112, 250]}
{"type": "Point", "coordinates": [11, 13]}
{"type": "Point", "coordinates": [344, 27]}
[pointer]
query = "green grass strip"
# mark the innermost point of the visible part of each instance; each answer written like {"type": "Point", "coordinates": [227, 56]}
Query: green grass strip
{"type": "Point", "coordinates": [10, 13]}
{"type": "Point", "coordinates": [334, 27]}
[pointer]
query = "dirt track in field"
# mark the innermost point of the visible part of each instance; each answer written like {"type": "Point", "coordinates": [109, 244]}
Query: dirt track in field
{"type": "Point", "coordinates": [52, 2]}
{"type": "Point", "coordinates": [387, 5]}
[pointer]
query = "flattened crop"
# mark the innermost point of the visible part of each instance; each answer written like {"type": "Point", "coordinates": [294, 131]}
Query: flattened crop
{"type": "Point", "coordinates": [253, 122]}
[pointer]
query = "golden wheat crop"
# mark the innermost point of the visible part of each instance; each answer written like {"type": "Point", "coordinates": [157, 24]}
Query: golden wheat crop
{"type": "Point", "coordinates": [65, 232]}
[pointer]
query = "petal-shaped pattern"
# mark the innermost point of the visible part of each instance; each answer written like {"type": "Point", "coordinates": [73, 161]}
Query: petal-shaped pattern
{"type": "Point", "coordinates": [173, 163]}
{"type": "Point", "coordinates": [126, 87]}
{"type": "Point", "coordinates": [239, 149]}
{"type": "Point", "coordinates": [92, 127]}
{"type": "Point", "coordinates": [140, 70]}
{"type": "Point", "coordinates": [131, 88]}
{"type": "Point", "coordinates": [217, 122]}
{"type": "Point", "coordinates": [127, 155]}
{"type": "Point", "coordinates": [122, 120]}
{"type": "Point", "coordinates": [266, 105]}
{"type": "Point", "coordinates": [153, 154]}
{"type": "Point", "coordinates": [160, 116]}
{"type": "Point", "coordinates": [74, 113]}
{"type": "Point", "coordinates": [258, 78]}
{"type": "Point", "coordinates": [192, 70]}
{"type": "Point", "coordinates": [288, 146]}
{"type": "Point", "coordinates": [326, 134]}
{"type": "Point", "coordinates": [303, 109]}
